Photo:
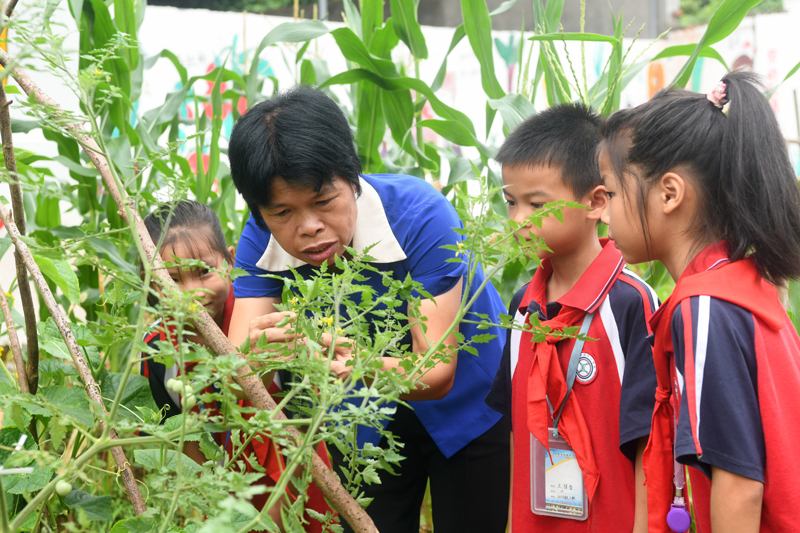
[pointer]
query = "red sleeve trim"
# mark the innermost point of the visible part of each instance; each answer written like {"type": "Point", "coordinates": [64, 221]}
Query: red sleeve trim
{"type": "Point", "coordinates": [688, 357]}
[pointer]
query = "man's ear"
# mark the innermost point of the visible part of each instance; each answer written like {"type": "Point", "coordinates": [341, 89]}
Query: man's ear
{"type": "Point", "coordinates": [596, 201]}
{"type": "Point", "coordinates": [671, 190]}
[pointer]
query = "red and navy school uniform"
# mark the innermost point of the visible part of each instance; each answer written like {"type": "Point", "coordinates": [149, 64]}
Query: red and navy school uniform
{"type": "Point", "coordinates": [735, 369]}
{"type": "Point", "coordinates": [614, 387]}
{"type": "Point", "coordinates": [266, 452]}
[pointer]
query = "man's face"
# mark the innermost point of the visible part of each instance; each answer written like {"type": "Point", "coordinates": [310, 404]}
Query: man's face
{"type": "Point", "coordinates": [312, 226]}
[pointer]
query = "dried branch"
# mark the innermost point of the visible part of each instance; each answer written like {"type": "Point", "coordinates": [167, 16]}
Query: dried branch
{"type": "Point", "coordinates": [25, 293]}
{"type": "Point", "coordinates": [92, 389]}
{"type": "Point", "coordinates": [13, 341]}
{"type": "Point", "coordinates": [10, 7]}
{"type": "Point", "coordinates": [250, 382]}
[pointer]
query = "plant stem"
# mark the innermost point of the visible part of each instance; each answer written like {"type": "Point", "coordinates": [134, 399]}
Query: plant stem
{"type": "Point", "coordinates": [91, 387]}
{"type": "Point", "coordinates": [10, 7]}
{"type": "Point", "coordinates": [280, 487]}
{"type": "Point", "coordinates": [417, 117]}
{"type": "Point", "coordinates": [42, 496]}
{"type": "Point", "coordinates": [3, 511]}
{"type": "Point", "coordinates": [250, 382]}
{"type": "Point", "coordinates": [25, 294]}
{"type": "Point", "coordinates": [13, 340]}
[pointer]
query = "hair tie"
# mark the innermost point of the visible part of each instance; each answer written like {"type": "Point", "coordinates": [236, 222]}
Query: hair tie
{"type": "Point", "coordinates": [718, 97]}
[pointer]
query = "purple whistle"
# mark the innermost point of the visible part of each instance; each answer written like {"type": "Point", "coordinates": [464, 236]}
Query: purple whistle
{"type": "Point", "coordinates": [679, 519]}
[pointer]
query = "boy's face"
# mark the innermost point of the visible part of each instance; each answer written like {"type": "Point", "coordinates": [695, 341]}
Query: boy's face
{"type": "Point", "coordinates": [216, 288]}
{"type": "Point", "coordinates": [312, 226]}
{"type": "Point", "coordinates": [528, 189]}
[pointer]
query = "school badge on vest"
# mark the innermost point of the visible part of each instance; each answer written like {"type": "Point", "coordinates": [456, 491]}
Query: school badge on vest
{"type": "Point", "coordinates": [587, 369]}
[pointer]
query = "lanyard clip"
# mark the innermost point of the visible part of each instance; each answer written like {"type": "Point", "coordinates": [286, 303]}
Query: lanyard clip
{"type": "Point", "coordinates": [678, 518]}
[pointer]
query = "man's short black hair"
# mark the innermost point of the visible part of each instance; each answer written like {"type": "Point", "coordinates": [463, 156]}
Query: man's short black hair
{"type": "Point", "coordinates": [300, 135]}
{"type": "Point", "coordinates": [564, 136]}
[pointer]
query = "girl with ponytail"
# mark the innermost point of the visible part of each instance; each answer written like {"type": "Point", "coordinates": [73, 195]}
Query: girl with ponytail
{"type": "Point", "coordinates": [703, 183]}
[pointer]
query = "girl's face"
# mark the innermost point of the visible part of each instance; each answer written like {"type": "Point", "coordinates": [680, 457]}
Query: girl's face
{"type": "Point", "coordinates": [622, 216]}
{"type": "Point", "coordinates": [192, 278]}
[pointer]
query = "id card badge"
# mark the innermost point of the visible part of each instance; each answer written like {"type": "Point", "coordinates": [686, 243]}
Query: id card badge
{"type": "Point", "coordinates": [556, 480]}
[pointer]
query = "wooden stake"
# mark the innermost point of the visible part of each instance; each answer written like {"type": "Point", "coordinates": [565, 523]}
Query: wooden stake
{"type": "Point", "coordinates": [13, 340]}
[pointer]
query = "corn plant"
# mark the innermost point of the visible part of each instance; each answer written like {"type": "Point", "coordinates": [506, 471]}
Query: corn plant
{"type": "Point", "coordinates": [94, 268]}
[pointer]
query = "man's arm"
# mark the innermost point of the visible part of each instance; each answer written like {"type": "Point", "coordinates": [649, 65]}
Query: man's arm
{"type": "Point", "coordinates": [440, 313]}
{"type": "Point", "coordinates": [245, 311]}
{"type": "Point", "coordinates": [438, 380]}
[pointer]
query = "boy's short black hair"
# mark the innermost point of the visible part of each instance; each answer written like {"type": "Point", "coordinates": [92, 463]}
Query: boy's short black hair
{"type": "Point", "coordinates": [300, 135]}
{"type": "Point", "coordinates": [564, 136]}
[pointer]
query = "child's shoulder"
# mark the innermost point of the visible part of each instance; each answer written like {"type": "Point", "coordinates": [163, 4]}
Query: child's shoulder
{"type": "Point", "coordinates": [631, 293]}
{"type": "Point", "coordinates": [516, 300]}
{"type": "Point", "coordinates": [153, 333]}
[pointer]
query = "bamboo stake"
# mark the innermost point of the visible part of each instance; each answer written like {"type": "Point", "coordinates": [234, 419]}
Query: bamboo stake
{"type": "Point", "coordinates": [25, 293]}
{"type": "Point", "coordinates": [18, 207]}
{"type": "Point", "coordinates": [10, 7]}
{"type": "Point", "coordinates": [92, 389]}
{"type": "Point", "coordinates": [250, 382]}
{"type": "Point", "coordinates": [13, 340]}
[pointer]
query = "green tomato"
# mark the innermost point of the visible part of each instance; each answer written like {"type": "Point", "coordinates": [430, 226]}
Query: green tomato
{"type": "Point", "coordinates": [189, 400]}
{"type": "Point", "coordinates": [63, 488]}
{"type": "Point", "coordinates": [174, 385]}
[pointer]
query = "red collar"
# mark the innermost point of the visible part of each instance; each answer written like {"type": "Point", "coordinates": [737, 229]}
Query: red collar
{"type": "Point", "coordinates": [739, 283]}
{"type": "Point", "coordinates": [228, 311]}
{"type": "Point", "coordinates": [590, 290]}
{"type": "Point", "coordinates": [711, 257]}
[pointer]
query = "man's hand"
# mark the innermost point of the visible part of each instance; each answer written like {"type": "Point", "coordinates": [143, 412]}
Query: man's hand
{"type": "Point", "coordinates": [342, 353]}
{"type": "Point", "coordinates": [266, 326]}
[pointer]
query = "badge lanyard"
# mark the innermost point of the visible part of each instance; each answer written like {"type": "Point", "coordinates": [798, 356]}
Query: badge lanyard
{"type": "Point", "coordinates": [572, 370]}
{"type": "Point", "coordinates": [678, 518]}
{"type": "Point", "coordinates": [556, 479]}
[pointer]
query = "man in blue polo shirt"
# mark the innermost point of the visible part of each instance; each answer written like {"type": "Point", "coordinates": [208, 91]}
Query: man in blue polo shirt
{"type": "Point", "coordinates": [293, 160]}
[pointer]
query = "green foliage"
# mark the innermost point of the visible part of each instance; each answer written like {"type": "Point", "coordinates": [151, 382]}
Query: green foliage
{"type": "Point", "coordinates": [700, 11]}
{"type": "Point", "coordinates": [95, 267]}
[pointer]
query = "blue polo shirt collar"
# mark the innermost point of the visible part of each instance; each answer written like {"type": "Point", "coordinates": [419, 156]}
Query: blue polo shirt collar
{"type": "Point", "coordinates": [372, 227]}
{"type": "Point", "coordinates": [587, 294]}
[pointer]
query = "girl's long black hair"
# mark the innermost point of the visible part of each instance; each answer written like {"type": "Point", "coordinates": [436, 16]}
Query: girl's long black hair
{"type": "Point", "coordinates": [187, 221]}
{"type": "Point", "coordinates": [747, 188]}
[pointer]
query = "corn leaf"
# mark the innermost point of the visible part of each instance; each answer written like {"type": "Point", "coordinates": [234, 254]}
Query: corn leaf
{"type": "Point", "coordinates": [404, 14]}
{"type": "Point", "coordinates": [726, 18]}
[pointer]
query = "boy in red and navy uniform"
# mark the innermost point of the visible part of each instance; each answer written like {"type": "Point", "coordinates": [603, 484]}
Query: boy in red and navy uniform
{"type": "Point", "coordinates": [606, 416]}
{"type": "Point", "coordinates": [735, 375]}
